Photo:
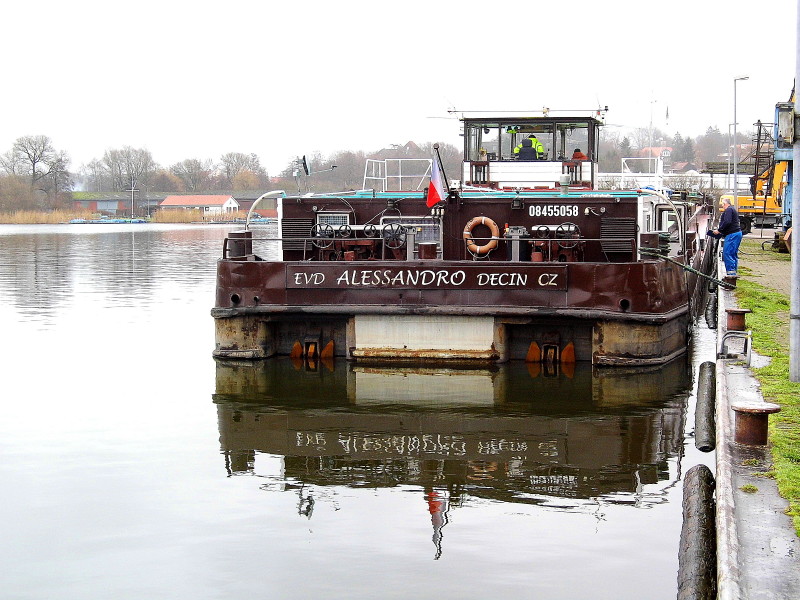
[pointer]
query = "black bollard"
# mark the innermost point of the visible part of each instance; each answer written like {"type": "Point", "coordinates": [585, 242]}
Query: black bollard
{"type": "Point", "coordinates": [705, 430]}
{"type": "Point", "coordinates": [697, 555]}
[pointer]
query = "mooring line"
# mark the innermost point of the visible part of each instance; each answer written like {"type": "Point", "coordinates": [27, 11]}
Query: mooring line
{"type": "Point", "coordinates": [656, 254]}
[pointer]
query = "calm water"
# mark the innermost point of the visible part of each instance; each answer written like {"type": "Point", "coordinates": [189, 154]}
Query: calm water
{"type": "Point", "coordinates": [135, 466]}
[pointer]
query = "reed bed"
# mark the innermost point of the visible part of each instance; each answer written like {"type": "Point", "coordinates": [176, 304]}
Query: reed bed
{"type": "Point", "coordinates": [177, 216]}
{"type": "Point", "coordinates": [195, 216]}
{"type": "Point", "coordinates": [42, 217]}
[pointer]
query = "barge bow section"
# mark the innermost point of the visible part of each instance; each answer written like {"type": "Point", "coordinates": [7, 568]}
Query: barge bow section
{"type": "Point", "coordinates": [608, 314]}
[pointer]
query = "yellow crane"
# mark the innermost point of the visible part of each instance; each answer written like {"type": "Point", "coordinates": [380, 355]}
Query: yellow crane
{"type": "Point", "coordinates": [764, 206]}
{"type": "Point", "coordinates": [769, 185]}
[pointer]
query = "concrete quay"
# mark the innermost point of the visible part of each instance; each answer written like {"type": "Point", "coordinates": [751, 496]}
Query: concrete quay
{"type": "Point", "coordinates": [758, 552]}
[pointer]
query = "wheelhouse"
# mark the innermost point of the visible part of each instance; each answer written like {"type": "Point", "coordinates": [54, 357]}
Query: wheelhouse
{"type": "Point", "coordinates": [569, 147]}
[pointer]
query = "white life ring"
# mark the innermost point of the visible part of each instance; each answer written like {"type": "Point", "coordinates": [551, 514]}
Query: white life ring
{"type": "Point", "coordinates": [488, 246]}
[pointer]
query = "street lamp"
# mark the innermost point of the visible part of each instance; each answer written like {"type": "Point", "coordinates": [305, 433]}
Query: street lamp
{"type": "Point", "coordinates": [729, 158]}
{"type": "Point", "coordinates": [735, 158]}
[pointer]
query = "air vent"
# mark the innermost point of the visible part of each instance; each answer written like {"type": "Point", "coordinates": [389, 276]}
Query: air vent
{"type": "Point", "coordinates": [335, 220]}
{"type": "Point", "coordinates": [623, 230]}
{"type": "Point", "coordinates": [295, 228]}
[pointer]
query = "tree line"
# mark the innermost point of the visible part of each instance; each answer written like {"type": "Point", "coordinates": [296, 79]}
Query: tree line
{"type": "Point", "coordinates": [35, 175]}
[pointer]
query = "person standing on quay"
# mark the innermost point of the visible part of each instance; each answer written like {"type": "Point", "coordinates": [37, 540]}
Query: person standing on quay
{"type": "Point", "coordinates": [731, 232]}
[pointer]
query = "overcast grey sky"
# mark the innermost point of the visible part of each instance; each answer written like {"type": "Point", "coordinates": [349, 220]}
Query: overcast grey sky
{"type": "Point", "coordinates": [281, 79]}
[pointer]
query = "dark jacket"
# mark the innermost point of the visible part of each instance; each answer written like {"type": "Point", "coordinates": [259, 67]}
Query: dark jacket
{"type": "Point", "coordinates": [529, 149]}
{"type": "Point", "coordinates": [729, 222]}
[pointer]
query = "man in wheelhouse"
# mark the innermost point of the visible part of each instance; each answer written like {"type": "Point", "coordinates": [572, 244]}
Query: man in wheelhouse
{"type": "Point", "coordinates": [529, 149]}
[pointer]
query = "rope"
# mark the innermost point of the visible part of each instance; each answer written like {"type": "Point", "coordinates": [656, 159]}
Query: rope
{"type": "Point", "coordinates": [719, 282]}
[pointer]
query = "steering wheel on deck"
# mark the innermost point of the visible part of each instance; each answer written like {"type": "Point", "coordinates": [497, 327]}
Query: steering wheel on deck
{"type": "Point", "coordinates": [322, 234]}
{"type": "Point", "coordinates": [370, 231]}
{"type": "Point", "coordinates": [542, 232]}
{"type": "Point", "coordinates": [394, 235]}
{"type": "Point", "coordinates": [564, 230]}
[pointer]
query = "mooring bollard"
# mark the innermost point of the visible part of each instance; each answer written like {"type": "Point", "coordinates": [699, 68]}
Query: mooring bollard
{"type": "Point", "coordinates": [730, 279]}
{"type": "Point", "coordinates": [752, 422]}
{"type": "Point", "coordinates": [736, 317]}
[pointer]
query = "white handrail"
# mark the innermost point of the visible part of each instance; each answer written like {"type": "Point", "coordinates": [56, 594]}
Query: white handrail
{"type": "Point", "coordinates": [273, 193]}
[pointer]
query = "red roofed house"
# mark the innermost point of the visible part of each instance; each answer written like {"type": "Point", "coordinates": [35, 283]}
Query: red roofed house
{"type": "Point", "coordinates": [210, 205]}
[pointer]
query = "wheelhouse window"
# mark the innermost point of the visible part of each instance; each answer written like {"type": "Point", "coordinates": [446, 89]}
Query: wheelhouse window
{"type": "Point", "coordinates": [572, 137]}
{"type": "Point", "coordinates": [516, 133]}
{"type": "Point", "coordinates": [495, 140]}
{"type": "Point", "coordinates": [483, 141]}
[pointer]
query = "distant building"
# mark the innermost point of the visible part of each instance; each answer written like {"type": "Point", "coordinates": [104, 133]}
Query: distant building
{"type": "Point", "coordinates": [209, 204]}
{"type": "Point", "coordinates": [408, 150]}
{"type": "Point", "coordinates": [266, 208]}
{"type": "Point", "coordinates": [663, 152]}
{"type": "Point", "coordinates": [683, 167]}
{"type": "Point", "coordinates": [116, 203]}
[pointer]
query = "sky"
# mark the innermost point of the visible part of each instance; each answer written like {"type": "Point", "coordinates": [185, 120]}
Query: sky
{"type": "Point", "coordinates": [284, 79]}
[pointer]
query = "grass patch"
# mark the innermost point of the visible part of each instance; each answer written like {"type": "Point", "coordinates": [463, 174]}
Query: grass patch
{"type": "Point", "coordinates": [749, 488]}
{"type": "Point", "coordinates": [751, 247]}
{"type": "Point", "coordinates": [769, 322]}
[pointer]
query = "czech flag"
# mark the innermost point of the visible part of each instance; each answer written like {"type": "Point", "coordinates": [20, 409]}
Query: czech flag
{"type": "Point", "coordinates": [436, 188]}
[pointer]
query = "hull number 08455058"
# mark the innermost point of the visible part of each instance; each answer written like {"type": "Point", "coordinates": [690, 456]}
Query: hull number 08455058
{"type": "Point", "coordinates": [553, 210]}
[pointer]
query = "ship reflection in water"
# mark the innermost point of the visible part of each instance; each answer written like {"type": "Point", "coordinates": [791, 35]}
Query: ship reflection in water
{"type": "Point", "coordinates": [512, 433]}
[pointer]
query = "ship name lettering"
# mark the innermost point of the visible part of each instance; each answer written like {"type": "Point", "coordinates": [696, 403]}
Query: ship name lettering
{"type": "Point", "coordinates": [497, 279]}
{"type": "Point", "coordinates": [308, 278]}
{"type": "Point", "coordinates": [368, 277]}
{"type": "Point", "coordinates": [548, 279]}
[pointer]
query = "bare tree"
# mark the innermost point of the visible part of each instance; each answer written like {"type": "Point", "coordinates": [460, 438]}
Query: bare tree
{"type": "Point", "coordinates": [164, 181]}
{"type": "Point", "coordinates": [114, 167]}
{"type": "Point", "coordinates": [234, 164]}
{"type": "Point", "coordinates": [96, 176]}
{"type": "Point", "coordinates": [59, 179]}
{"type": "Point", "coordinates": [139, 165]}
{"type": "Point", "coordinates": [128, 167]}
{"type": "Point", "coordinates": [33, 153]}
{"type": "Point", "coordinates": [245, 180]}
{"type": "Point", "coordinates": [195, 173]}
{"type": "Point", "coordinates": [11, 163]}
{"type": "Point", "coordinates": [34, 159]}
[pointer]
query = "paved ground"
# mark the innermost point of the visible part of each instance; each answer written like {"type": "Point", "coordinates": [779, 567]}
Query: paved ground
{"type": "Point", "coordinates": [769, 268]}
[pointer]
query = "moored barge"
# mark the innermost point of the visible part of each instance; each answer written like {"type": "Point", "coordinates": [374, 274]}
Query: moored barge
{"type": "Point", "coordinates": [522, 258]}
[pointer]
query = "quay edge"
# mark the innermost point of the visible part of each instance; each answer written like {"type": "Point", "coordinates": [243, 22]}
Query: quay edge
{"type": "Point", "coordinates": [758, 552]}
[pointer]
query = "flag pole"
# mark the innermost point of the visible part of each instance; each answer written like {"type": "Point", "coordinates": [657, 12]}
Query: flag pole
{"type": "Point", "coordinates": [441, 168]}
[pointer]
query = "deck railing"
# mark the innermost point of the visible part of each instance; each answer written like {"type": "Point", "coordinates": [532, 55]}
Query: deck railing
{"type": "Point", "coordinates": [239, 245]}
